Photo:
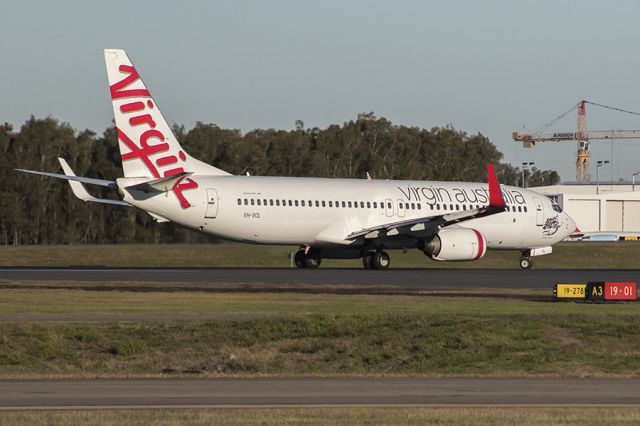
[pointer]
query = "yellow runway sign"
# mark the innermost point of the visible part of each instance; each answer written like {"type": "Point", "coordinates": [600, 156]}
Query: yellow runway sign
{"type": "Point", "coordinates": [569, 291]}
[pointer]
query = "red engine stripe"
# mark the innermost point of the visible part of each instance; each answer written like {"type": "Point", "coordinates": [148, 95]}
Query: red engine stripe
{"type": "Point", "coordinates": [480, 245]}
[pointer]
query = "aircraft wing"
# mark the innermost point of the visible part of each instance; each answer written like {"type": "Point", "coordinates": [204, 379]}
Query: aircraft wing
{"type": "Point", "coordinates": [427, 225]}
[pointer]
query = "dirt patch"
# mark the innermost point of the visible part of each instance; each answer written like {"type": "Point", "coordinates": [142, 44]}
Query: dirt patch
{"type": "Point", "coordinates": [564, 337]}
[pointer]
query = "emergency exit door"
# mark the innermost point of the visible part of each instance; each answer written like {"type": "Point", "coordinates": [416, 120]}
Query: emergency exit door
{"type": "Point", "coordinates": [212, 204]}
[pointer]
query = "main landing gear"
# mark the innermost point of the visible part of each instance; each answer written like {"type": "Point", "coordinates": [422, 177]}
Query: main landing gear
{"type": "Point", "coordinates": [310, 259]}
{"type": "Point", "coordinates": [376, 260]}
{"type": "Point", "coordinates": [525, 261]}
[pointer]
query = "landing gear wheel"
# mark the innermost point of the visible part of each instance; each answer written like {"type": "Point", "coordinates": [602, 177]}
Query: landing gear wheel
{"type": "Point", "coordinates": [526, 262]}
{"type": "Point", "coordinates": [380, 260]}
{"type": "Point", "coordinates": [367, 260]}
{"type": "Point", "coordinates": [312, 260]}
{"type": "Point", "coordinates": [298, 259]}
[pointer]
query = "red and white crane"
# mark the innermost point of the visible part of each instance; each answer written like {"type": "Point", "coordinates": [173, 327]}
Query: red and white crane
{"type": "Point", "coordinates": [582, 135]}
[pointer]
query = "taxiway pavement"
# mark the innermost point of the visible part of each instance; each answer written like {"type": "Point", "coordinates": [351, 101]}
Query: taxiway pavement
{"type": "Point", "coordinates": [315, 391]}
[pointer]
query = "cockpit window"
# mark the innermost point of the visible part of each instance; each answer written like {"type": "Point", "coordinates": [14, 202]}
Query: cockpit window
{"type": "Point", "coordinates": [556, 207]}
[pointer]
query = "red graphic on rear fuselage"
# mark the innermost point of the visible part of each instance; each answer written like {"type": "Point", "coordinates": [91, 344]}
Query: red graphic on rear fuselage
{"type": "Point", "coordinates": [152, 141]}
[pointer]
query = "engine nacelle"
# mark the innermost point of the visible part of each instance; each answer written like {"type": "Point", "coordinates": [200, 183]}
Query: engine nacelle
{"type": "Point", "coordinates": [456, 244]}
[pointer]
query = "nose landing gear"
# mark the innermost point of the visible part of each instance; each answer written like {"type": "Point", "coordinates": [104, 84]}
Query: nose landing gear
{"type": "Point", "coordinates": [525, 261]}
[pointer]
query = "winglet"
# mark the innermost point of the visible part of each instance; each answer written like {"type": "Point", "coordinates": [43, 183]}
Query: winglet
{"type": "Point", "coordinates": [495, 194]}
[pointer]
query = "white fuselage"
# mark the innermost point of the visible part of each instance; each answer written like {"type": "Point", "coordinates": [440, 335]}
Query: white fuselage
{"type": "Point", "coordinates": [321, 212]}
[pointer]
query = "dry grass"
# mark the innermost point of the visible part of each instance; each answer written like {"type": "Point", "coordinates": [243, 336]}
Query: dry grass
{"type": "Point", "coordinates": [488, 416]}
{"type": "Point", "coordinates": [21, 301]}
{"type": "Point", "coordinates": [293, 334]}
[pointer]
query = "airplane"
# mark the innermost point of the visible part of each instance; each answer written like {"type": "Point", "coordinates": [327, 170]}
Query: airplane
{"type": "Point", "coordinates": [327, 218]}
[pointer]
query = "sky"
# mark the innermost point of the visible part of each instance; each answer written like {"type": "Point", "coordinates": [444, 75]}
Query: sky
{"type": "Point", "coordinates": [489, 66]}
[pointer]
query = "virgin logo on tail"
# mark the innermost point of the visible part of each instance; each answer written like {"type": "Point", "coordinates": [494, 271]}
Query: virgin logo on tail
{"type": "Point", "coordinates": [152, 141]}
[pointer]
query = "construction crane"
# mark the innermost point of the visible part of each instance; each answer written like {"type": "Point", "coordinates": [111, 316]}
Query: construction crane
{"type": "Point", "coordinates": [582, 135]}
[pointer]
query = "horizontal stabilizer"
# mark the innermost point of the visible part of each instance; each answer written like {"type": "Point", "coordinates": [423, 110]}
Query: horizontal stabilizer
{"type": "Point", "coordinates": [164, 184]}
{"type": "Point", "coordinates": [91, 181]}
{"type": "Point", "coordinates": [76, 183]}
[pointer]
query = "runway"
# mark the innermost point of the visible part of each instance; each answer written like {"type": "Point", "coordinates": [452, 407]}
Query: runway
{"type": "Point", "coordinates": [315, 391]}
{"type": "Point", "coordinates": [410, 278]}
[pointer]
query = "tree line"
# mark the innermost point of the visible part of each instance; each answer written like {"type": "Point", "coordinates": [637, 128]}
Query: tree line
{"type": "Point", "coordinates": [39, 210]}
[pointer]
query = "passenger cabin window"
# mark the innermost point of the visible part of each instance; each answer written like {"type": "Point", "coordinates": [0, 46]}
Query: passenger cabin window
{"type": "Point", "coordinates": [368, 204]}
{"type": "Point", "coordinates": [278, 203]}
{"type": "Point", "coordinates": [239, 201]}
{"type": "Point", "coordinates": [323, 204]}
{"type": "Point", "coordinates": [290, 203]}
{"type": "Point", "coordinates": [258, 201]}
{"type": "Point", "coordinates": [252, 202]}
{"type": "Point", "coordinates": [271, 202]}
{"type": "Point", "coordinates": [375, 205]}
{"type": "Point", "coordinates": [296, 203]}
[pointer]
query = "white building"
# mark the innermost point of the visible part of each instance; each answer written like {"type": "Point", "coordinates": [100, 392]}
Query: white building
{"type": "Point", "coordinates": [606, 207]}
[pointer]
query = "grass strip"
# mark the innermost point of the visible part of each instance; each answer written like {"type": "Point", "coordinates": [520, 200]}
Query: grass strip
{"type": "Point", "coordinates": [480, 416]}
{"type": "Point", "coordinates": [457, 344]}
{"type": "Point", "coordinates": [312, 334]}
{"type": "Point", "coordinates": [567, 255]}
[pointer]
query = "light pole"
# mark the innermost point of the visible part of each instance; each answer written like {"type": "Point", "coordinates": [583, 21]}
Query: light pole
{"type": "Point", "coordinates": [525, 166]}
{"type": "Point", "coordinates": [633, 180]}
{"type": "Point", "coordinates": [598, 165]}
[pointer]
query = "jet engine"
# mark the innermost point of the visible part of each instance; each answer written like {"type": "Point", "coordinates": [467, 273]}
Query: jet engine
{"type": "Point", "coordinates": [456, 244]}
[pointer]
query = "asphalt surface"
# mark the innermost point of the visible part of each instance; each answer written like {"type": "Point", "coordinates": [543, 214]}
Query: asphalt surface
{"type": "Point", "coordinates": [413, 278]}
{"type": "Point", "coordinates": [316, 391]}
